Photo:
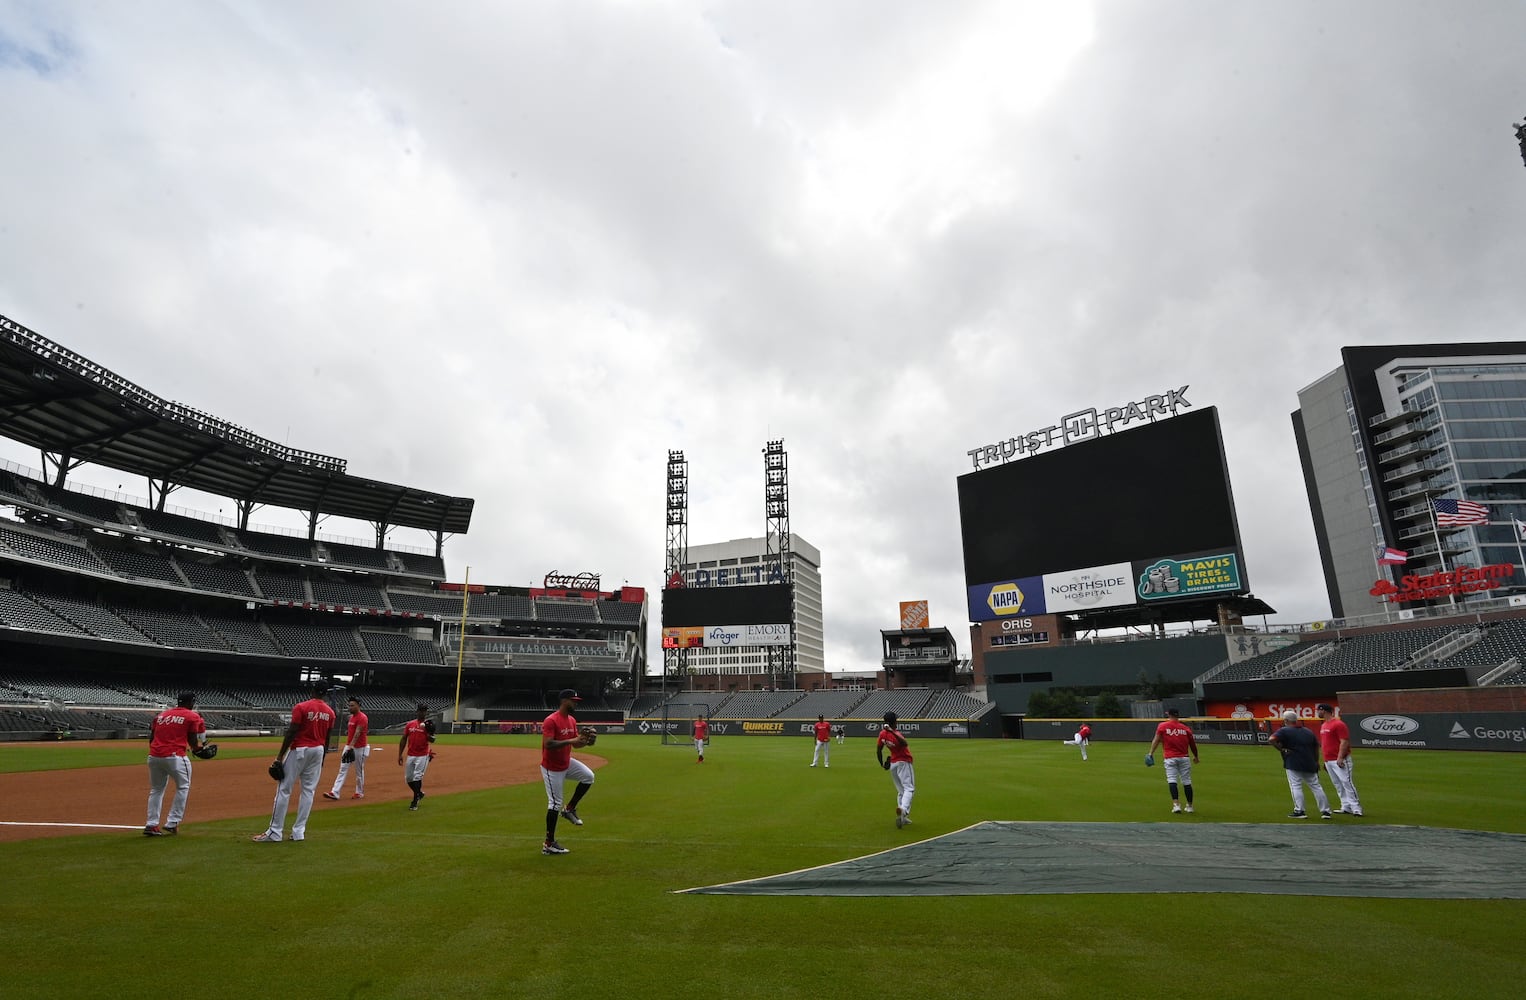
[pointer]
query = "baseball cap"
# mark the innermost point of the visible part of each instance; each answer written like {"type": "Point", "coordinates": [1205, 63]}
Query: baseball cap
{"type": "Point", "coordinates": [1322, 707]}
{"type": "Point", "coordinates": [1173, 711]}
{"type": "Point", "coordinates": [567, 693]}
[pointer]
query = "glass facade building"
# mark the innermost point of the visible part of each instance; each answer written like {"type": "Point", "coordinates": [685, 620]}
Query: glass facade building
{"type": "Point", "coordinates": [738, 563]}
{"type": "Point", "coordinates": [1395, 429]}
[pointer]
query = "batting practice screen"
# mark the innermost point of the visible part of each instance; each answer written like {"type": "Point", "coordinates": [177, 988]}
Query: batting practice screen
{"type": "Point", "coordinates": [767, 604]}
{"type": "Point", "coordinates": [1147, 493]}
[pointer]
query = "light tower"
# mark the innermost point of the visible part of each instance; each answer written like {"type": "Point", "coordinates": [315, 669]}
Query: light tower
{"type": "Point", "coordinates": [777, 558]}
{"type": "Point", "coordinates": [674, 661]}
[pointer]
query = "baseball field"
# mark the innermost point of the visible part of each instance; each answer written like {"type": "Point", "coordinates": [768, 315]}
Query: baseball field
{"type": "Point", "coordinates": [457, 900]}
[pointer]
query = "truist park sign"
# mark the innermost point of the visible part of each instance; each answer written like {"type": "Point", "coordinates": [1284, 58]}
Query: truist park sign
{"type": "Point", "coordinates": [1083, 425]}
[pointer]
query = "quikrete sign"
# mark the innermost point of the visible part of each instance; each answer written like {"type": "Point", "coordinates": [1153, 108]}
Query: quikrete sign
{"type": "Point", "coordinates": [1453, 583]}
{"type": "Point", "coordinates": [1082, 425]}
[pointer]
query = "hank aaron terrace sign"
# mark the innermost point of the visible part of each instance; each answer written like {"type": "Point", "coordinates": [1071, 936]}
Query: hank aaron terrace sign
{"type": "Point", "coordinates": [1083, 425]}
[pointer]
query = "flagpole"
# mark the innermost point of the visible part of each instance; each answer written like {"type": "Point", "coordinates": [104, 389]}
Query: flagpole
{"type": "Point", "coordinates": [1379, 566]}
{"type": "Point", "coordinates": [1518, 528]}
{"type": "Point", "coordinates": [1436, 531]}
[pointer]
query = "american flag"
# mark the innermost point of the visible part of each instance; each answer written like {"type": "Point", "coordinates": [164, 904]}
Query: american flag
{"type": "Point", "coordinates": [1453, 513]}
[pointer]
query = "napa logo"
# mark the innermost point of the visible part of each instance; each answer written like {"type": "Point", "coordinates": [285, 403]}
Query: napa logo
{"type": "Point", "coordinates": [1006, 599]}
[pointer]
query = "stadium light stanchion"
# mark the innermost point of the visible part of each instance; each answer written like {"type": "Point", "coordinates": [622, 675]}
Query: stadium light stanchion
{"type": "Point", "coordinates": [466, 597]}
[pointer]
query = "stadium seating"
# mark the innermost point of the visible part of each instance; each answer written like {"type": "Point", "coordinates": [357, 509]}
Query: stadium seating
{"type": "Point", "coordinates": [176, 526]}
{"type": "Point", "coordinates": [757, 704]}
{"type": "Point", "coordinates": [1502, 640]}
{"type": "Point", "coordinates": [92, 507]}
{"type": "Point", "coordinates": [141, 564]}
{"type": "Point", "coordinates": [391, 647]}
{"type": "Point", "coordinates": [215, 575]}
{"type": "Point", "coordinates": [514, 606]}
{"type": "Point", "coordinates": [354, 555]}
{"type": "Point", "coordinates": [347, 593]}
{"type": "Point", "coordinates": [564, 611]}
{"type": "Point", "coordinates": [428, 604]}
{"type": "Point", "coordinates": [644, 706]}
{"type": "Point", "coordinates": [711, 700]}
{"type": "Point", "coordinates": [832, 704]}
{"type": "Point", "coordinates": [92, 618]}
{"type": "Point", "coordinates": [49, 548]}
{"type": "Point", "coordinates": [1371, 653]}
{"type": "Point", "coordinates": [282, 586]}
{"type": "Point", "coordinates": [317, 642]}
{"type": "Point", "coordinates": [907, 703]}
{"type": "Point", "coordinates": [431, 566]}
{"type": "Point", "coordinates": [953, 705]}
{"type": "Point", "coordinates": [170, 628]}
{"type": "Point", "coordinates": [619, 612]}
{"type": "Point", "coordinates": [19, 611]}
{"type": "Point", "coordinates": [287, 546]}
{"type": "Point", "coordinates": [1265, 664]}
{"type": "Point", "coordinates": [243, 634]}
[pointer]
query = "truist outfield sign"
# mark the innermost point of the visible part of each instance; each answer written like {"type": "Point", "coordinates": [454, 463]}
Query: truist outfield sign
{"type": "Point", "coordinates": [1082, 425]}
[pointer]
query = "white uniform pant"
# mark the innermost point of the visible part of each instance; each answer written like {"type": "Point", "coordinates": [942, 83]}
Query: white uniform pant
{"type": "Point", "coordinates": [555, 780]}
{"type": "Point", "coordinates": [905, 780]}
{"type": "Point", "coordinates": [162, 770]}
{"type": "Point", "coordinates": [414, 768]}
{"type": "Point", "coordinates": [699, 747]}
{"type": "Point", "coordinates": [1078, 741]}
{"type": "Point", "coordinates": [304, 765]}
{"type": "Point", "coordinates": [1345, 787]}
{"type": "Point", "coordinates": [1298, 781]}
{"type": "Point", "coordinates": [842, 735]}
{"type": "Point", "coordinates": [823, 753]}
{"type": "Point", "coordinates": [1178, 771]}
{"type": "Point", "coordinates": [361, 753]}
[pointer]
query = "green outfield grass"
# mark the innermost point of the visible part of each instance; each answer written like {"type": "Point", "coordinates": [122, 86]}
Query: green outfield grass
{"type": "Point", "coordinates": [456, 900]}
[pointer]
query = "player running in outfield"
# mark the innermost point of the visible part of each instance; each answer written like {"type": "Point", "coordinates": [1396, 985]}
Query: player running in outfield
{"type": "Point", "coordinates": [899, 766]}
{"type": "Point", "coordinates": [357, 746]}
{"type": "Point", "coordinates": [823, 751]}
{"type": "Point", "coordinates": [1175, 738]}
{"type": "Point", "coordinates": [418, 735]}
{"type": "Point", "coordinates": [1300, 759]}
{"type": "Point", "coordinates": [169, 734]}
{"type": "Point", "coordinates": [1335, 742]}
{"type": "Point", "coordinates": [701, 734]}
{"type": "Point", "coordinates": [1082, 739]}
{"type": "Point", "coordinates": [302, 749]}
{"type": "Point", "coordinates": [559, 737]}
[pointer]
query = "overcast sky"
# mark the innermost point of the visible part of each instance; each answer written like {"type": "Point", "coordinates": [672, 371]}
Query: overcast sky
{"type": "Point", "coordinates": [516, 251]}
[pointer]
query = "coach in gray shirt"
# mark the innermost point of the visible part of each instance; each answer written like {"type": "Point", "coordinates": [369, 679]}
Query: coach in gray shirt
{"type": "Point", "coordinates": [1300, 757]}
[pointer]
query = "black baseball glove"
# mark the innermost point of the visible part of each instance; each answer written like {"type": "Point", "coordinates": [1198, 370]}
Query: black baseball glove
{"type": "Point", "coordinates": [277, 770]}
{"type": "Point", "coordinates": [590, 736]}
{"type": "Point", "coordinates": [206, 751]}
{"type": "Point", "coordinates": [348, 757]}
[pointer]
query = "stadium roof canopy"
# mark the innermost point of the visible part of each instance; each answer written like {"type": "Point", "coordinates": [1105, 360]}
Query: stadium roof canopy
{"type": "Point", "coordinates": [72, 408]}
{"type": "Point", "coordinates": [1171, 612]}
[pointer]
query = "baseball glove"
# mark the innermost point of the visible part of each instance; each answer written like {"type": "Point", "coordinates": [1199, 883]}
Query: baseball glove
{"type": "Point", "coordinates": [885, 764]}
{"type": "Point", "coordinates": [348, 757]}
{"type": "Point", "coordinates": [206, 751]}
{"type": "Point", "coordinates": [1149, 760]}
{"type": "Point", "coordinates": [590, 735]}
{"type": "Point", "coordinates": [277, 770]}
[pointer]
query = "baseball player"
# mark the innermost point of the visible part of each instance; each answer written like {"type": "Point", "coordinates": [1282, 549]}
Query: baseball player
{"type": "Point", "coordinates": [841, 732]}
{"type": "Point", "coordinates": [701, 734]}
{"type": "Point", "coordinates": [1335, 741]}
{"type": "Point", "coordinates": [1175, 738]}
{"type": "Point", "coordinates": [170, 733]}
{"type": "Point", "coordinates": [899, 766]}
{"type": "Point", "coordinates": [823, 751]}
{"type": "Point", "coordinates": [357, 744]}
{"type": "Point", "coordinates": [559, 737]}
{"type": "Point", "coordinates": [303, 747]}
{"type": "Point", "coordinates": [1300, 759]}
{"type": "Point", "coordinates": [417, 736]}
{"type": "Point", "coordinates": [1082, 739]}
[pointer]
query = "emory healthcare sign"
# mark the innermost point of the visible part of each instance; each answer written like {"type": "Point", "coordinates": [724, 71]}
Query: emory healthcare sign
{"type": "Point", "coordinates": [1454, 583]}
{"type": "Point", "coordinates": [1082, 425]}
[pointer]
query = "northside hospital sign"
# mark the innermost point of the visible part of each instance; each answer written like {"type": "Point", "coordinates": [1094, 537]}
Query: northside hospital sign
{"type": "Point", "coordinates": [1083, 425]}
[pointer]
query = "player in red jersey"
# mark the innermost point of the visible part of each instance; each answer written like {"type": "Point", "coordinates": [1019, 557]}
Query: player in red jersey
{"type": "Point", "coordinates": [701, 734]}
{"type": "Point", "coordinates": [171, 732]}
{"type": "Point", "coordinates": [559, 737]}
{"type": "Point", "coordinates": [1082, 739]}
{"type": "Point", "coordinates": [899, 766]}
{"type": "Point", "coordinates": [1335, 742]}
{"type": "Point", "coordinates": [417, 736]}
{"type": "Point", "coordinates": [302, 749]}
{"type": "Point", "coordinates": [1175, 737]}
{"type": "Point", "coordinates": [357, 738]}
{"type": "Point", "coordinates": [823, 751]}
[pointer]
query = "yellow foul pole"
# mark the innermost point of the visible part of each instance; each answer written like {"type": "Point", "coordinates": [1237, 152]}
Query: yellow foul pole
{"type": "Point", "coordinates": [466, 597]}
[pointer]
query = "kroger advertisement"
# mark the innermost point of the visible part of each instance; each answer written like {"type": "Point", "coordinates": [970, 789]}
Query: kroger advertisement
{"type": "Point", "coordinates": [723, 636]}
{"type": "Point", "coordinates": [1113, 586]}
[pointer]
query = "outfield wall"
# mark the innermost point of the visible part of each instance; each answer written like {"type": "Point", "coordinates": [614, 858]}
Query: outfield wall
{"type": "Point", "coordinates": [1142, 730]}
{"type": "Point", "coordinates": [1465, 718]}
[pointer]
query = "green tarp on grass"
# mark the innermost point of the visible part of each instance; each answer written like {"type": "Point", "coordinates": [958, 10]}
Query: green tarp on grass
{"type": "Point", "coordinates": [1313, 858]}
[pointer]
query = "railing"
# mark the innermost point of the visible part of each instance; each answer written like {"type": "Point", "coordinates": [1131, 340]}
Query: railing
{"type": "Point", "coordinates": [1448, 645]}
{"type": "Point", "coordinates": [1510, 666]}
{"type": "Point", "coordinates": [129, 500]}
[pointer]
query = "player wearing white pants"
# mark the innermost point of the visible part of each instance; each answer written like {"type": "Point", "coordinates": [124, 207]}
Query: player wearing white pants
{"type": "Point", "coordinates": [162, 770]}
{"type": "Point", "coordinates": [1345, 787]}
{"type": "Point", "coordinates": [1298, 781]}
{"type": "Point", "coordinates": [905, 780]}
{"type": "Point", "coordinates": [899, 766]}
{"type": "Point", "coordinates": [556, 781]}
{"type": "Point", "coordinates": [1176, 740]}
{"type": "Point", "coordinates": [823, 751]}
{"type": "Point", "coordinates": [361, 753]}
{"type": "Point", "coordinates": [1082, 739]}
{"type": "Point", "coordinates": [304, 765]}
{"type": "Point", "coordinates": [1300, 758]}
{"type": "Point", "coordinates": [1335, 744]}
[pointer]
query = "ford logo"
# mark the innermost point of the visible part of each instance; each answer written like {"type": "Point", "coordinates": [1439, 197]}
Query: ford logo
{"type": "Point", "coordinates": [1389, 725]}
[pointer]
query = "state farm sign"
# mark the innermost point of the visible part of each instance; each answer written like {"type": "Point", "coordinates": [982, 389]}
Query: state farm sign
{"type": "Point", "coordinates": [1455, 583]}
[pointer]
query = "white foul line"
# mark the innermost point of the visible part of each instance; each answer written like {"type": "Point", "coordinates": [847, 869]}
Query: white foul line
{"type": "Point", "coordinates": [89, 826]}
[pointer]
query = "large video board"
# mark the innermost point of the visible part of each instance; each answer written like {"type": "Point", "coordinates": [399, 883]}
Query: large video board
{"type": "Point", "coordinates": [767, 604]}
{"type": "Point", "coordinates": [1137, 517]}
